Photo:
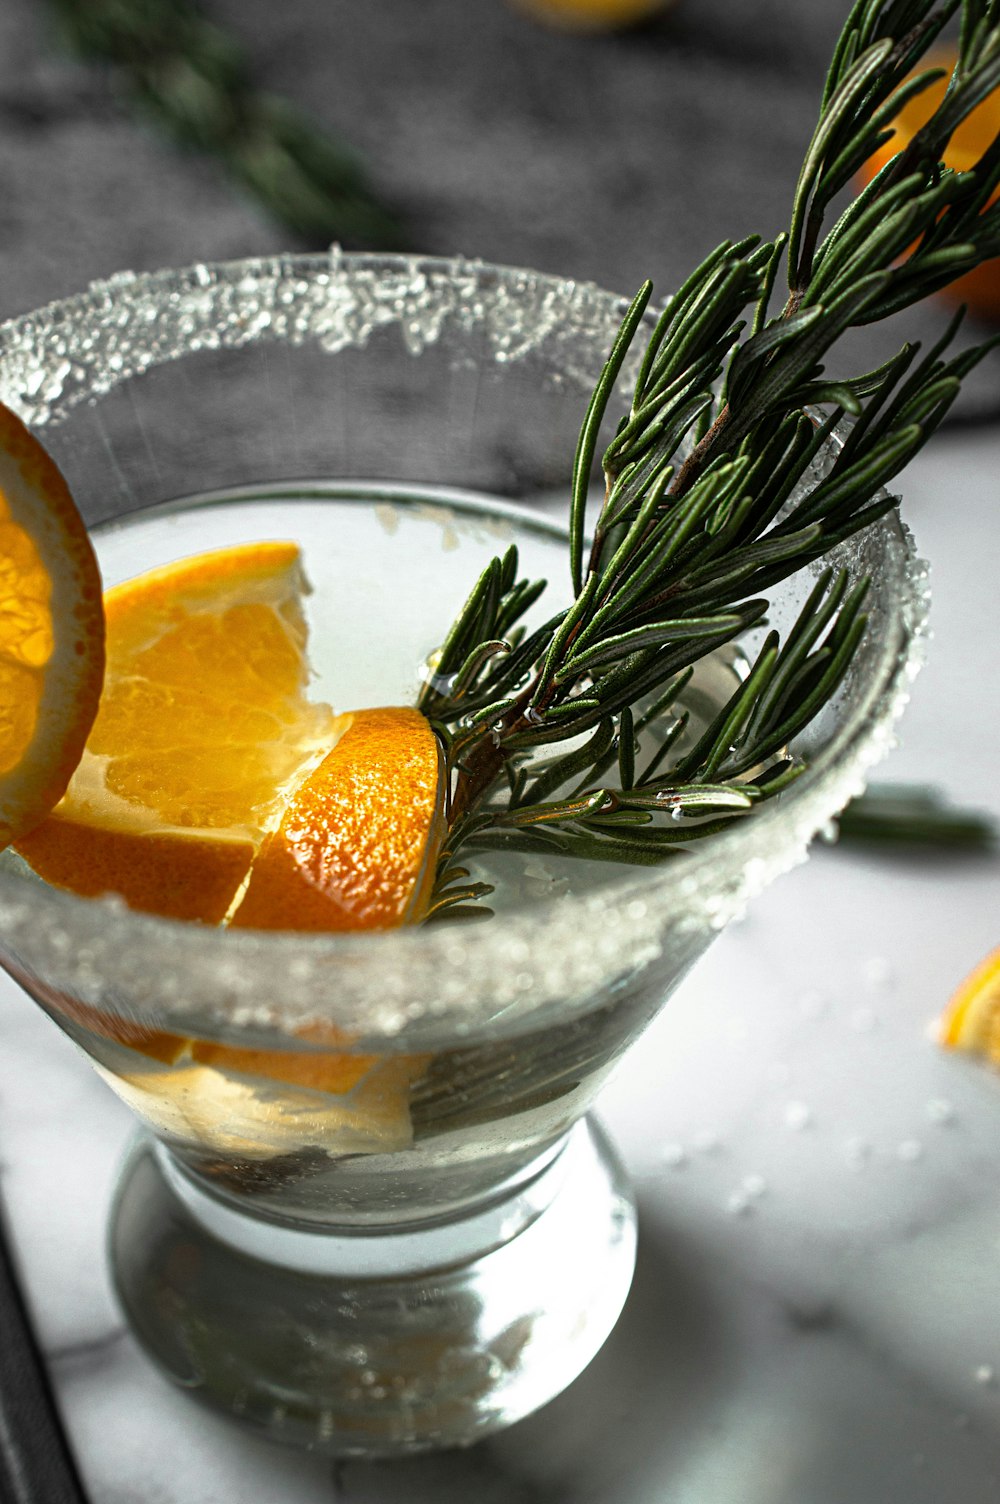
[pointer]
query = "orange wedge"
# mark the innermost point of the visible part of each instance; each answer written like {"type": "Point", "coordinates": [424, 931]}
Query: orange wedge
{"type": "Point", "coordinates": [51, 632]}
{"type": "Point", "coordinates": [357, 845]}
{"type": "Point", "coordinates": [203, 728]}
{"type": "Point", "coordinates": [971, 1021]}
{"type": "Point", "coordinates": [980, 288]}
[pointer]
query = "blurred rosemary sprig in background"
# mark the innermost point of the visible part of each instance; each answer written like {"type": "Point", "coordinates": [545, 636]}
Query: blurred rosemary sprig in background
{"type": "Point", "coordinates": [912, 815]}
{"type": "Point", "coordinates": [703, 509]}
{"type": "Point", "coordinates": [195, 82]}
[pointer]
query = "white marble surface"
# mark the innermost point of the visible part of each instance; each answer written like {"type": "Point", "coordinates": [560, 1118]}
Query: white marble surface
{"type": "Point", "coordinates": [813, 1319]}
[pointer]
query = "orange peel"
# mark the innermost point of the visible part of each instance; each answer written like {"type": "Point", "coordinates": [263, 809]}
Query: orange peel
{"type": "Point", "coordinates": [51, 632]}
{"type": "Point", "coordinates": [357, 843]}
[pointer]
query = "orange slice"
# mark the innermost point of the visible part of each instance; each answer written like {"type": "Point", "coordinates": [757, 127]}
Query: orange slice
{"type": "Point", "coordinates": [971, 1021]}
{"type": "Point", "coordinates": [357, 844]}
{"type": "Point", "coordinates": [980, 288]}
{"type": "Point", "coordinates": [203, 728]}
{"type": "Point", "coordinates": [51, 632]}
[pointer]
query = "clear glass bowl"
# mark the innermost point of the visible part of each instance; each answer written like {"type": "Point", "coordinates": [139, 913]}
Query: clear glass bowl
{"type": "Point", "coordinates": [433, 1240]}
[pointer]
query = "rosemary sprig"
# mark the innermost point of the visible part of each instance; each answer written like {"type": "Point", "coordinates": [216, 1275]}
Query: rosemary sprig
{"type": "Point", "coordinates": [194, 80]}
{"type": "Point", "coordinates": [702, 510]}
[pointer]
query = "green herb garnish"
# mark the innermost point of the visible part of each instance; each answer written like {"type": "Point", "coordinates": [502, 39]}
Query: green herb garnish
{"type": "Point", "coordinates": [731, 407]}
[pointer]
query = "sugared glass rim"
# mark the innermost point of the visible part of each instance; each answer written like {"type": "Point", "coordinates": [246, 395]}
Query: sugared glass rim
{"type": "Point", "coordinates": [439, 981]}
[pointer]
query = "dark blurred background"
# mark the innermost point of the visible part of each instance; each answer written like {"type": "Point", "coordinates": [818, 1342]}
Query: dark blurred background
{"type": "Point", "coordinates": [608, 155]}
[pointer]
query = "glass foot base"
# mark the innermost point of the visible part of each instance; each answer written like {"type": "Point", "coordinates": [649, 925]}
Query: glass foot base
{"type": "Point", "coordinates": [382, 1344]}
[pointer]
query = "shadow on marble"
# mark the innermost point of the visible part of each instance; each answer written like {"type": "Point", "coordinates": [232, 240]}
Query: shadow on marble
{"type": "Point", "coordinates": [645, 1394]}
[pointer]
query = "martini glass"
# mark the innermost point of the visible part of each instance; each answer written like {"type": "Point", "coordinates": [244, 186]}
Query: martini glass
{"type": "Point", "coordinates": [427, 1237]}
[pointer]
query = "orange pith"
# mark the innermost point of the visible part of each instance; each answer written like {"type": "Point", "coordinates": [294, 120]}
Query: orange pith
{"type": "Point", "coordinates": [971, 1021]}
{"type": "Point", "coordinates": [203, 725]}
{"type": "Point", "coordinates": [51, 631]}
{"type": "Point", "coordinates": [980, 288]}
{"type": "Point", "coordinates": [356, 846]}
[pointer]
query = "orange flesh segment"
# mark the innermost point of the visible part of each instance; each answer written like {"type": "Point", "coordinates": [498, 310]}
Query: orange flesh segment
{"type": "Point", "coordinates": [979, 288]}
{"type": "Point", "coordinates": [209, 717]}
{"type": "Point", "coordinates": [356, 847]}
{"type": "Point", "coordinates": [51, 631]}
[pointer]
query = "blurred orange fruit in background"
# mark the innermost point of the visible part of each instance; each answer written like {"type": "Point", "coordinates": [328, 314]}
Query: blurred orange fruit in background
{"type": "Point", "coordinates": [980, 288]}
{"type": "Point", "coordinates": [592, 15]}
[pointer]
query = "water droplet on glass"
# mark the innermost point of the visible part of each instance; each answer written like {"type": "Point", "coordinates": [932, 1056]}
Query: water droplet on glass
{"type": "Point", "coordinates": [985, 1374]}
{"type": "Point", "coordinates": [940, 1111]}
{"type": "Point", "coordinates": [674, 1155]}
{"type": "Point", "coordinates": [910, 1150]}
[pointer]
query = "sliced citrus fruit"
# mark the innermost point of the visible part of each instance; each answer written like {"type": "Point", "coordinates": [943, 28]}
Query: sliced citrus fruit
{"type": "Point", "coordinates": [257, 1117]}
{"type": "Point", "coordinates": [51, 631]}
{"type": "Point", "coordinates": [203, 727]}
{"type": "Point", "coordinates": [971, 1020]}
{"type": "Point", "coordinates": [356, 847]}
{"type": "Point", "coordinates": [980, 288]}
{"type": "Point", "coordinates": [225, 1094]}
{"type": "Point", "coordinates": [205, 747]}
